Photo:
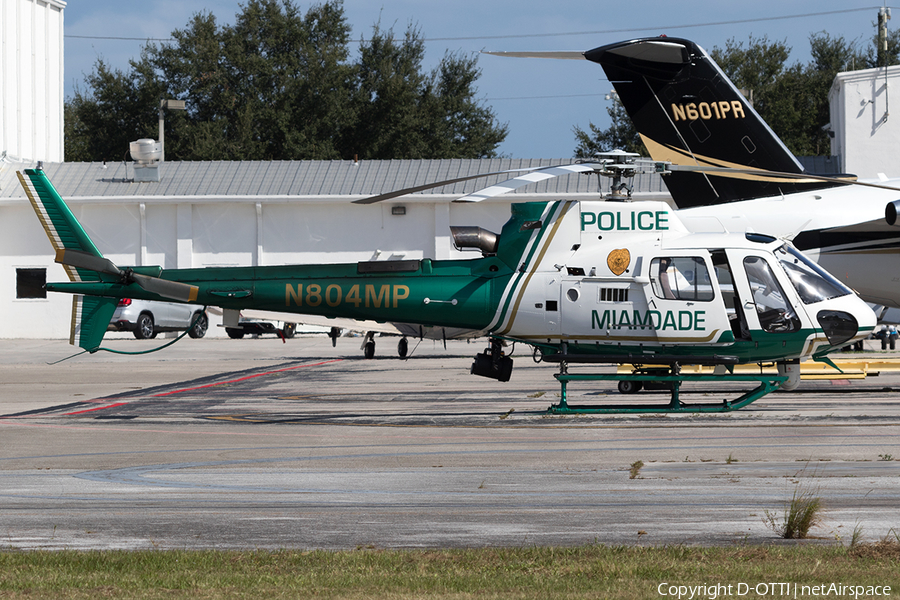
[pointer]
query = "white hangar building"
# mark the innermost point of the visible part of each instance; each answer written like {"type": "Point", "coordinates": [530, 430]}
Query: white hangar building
{"type": "Point", "coordinates": [202, 214]}
{"type": "Point", "coordinates": [31, 85]}
{"type": "Point", "coordinates": [866, 136]}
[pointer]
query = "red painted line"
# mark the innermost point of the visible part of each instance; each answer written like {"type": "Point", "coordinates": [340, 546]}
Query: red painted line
{"type": "Point", "coordinates": [209, 385]}
{"type": "Point", "coordinates": [78, 412]}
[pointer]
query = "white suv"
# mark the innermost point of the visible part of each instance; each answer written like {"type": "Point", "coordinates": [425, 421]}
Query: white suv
{"type": "Point", "coordinates": [146, 318]}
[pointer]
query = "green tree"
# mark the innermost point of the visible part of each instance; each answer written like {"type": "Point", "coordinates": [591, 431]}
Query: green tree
{"type": "Point", "coordinates": [775, 89]}
{"type": "Point", "coordinates": [100, 126]}
{"type": "Point", "coordinates": [466, 128]}
{"type": "Point", "coordinates": [280, 85]}
{"type": "Point", "coordinates": [405, 113]}
{"type": "Point", "coordinates": [830, 56]}
{"type": "Point", "coordinates": [392, 94]}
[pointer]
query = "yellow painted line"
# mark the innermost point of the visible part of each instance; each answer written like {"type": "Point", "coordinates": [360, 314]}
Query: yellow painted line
{"type": "Point", "coordinates": [852, 369]}
{"type": "Point", "coordinates": [835, 375]}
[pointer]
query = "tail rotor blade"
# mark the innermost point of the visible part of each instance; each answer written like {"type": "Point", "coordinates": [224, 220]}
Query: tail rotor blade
{"type": "Point", "coordinates": [174, 290]}
{"type": "Point", "coordinates": [84, 260]}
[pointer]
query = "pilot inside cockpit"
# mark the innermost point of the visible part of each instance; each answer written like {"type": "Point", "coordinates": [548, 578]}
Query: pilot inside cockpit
{"type": "Point", "coordinates": [774, 312]}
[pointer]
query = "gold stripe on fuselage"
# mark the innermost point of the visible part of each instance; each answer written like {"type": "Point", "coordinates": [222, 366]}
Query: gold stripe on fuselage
{"type": "Point", "coordinates": [537, 263]}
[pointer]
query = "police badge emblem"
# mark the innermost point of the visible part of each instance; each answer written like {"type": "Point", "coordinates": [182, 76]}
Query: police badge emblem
{"type": "Point", "coordinates": [618, 260]}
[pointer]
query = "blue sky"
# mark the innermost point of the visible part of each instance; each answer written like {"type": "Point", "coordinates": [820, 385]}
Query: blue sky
{"type": "Point", "coordinates": [540, 100]}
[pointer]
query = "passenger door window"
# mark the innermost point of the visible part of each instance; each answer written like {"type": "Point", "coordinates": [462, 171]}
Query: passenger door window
{"type": "Point", "coordinates": [681, 278]}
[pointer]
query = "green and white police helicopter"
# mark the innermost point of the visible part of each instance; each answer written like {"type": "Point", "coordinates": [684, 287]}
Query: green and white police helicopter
{"type": "Point", "coordinates": [580, 282]}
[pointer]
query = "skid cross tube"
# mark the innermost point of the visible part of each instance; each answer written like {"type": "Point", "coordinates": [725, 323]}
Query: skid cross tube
{"type": "Point", "coordinates": [767, 383]}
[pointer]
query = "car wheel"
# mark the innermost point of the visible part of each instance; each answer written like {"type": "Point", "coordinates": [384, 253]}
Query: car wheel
{"type": "Point", "coordinates": [144, 327]}
{"type": "Point", "coordinates": [234, 333]}
{"type": "Point", "coordinates": [289, 330]}
{"type": "Point", "coordinates": [369, 351]}
{"type": "Point", "coordinates": [630, 387]}
{"type": "Point", "coordinates": [200, 326]}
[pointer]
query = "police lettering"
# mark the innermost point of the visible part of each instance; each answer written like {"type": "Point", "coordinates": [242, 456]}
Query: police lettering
{"type": "Point", "coordinates": [626, 221]}
{"type": "Point", "coordinates": [708, 110]}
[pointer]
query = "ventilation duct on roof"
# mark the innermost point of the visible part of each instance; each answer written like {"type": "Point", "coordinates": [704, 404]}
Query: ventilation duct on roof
{"type": "Point", "coordinates": [146, 154]}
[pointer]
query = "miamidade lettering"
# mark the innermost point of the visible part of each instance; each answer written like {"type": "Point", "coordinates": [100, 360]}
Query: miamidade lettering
{"type": "Point", "coordinates": [682, 320]}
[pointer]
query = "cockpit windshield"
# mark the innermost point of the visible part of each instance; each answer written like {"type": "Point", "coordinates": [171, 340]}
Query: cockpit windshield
{"type": "Point", "coordinates": [812, 283]}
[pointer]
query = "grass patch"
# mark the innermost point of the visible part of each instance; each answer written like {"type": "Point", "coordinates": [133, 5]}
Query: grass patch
{"type": "Point", "coordinates": [514, 573]}
{"type": "Point", "coordinates": [635, 469]}
{"type": "Point", "coordinates": [802, 513]}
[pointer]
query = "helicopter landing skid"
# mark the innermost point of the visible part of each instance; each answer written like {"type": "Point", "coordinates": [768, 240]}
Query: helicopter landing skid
{"type": "Point", "coordinates": [767, 383]}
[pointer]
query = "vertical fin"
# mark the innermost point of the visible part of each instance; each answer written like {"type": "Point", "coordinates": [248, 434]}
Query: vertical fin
{"type": "Point", "coordinates": [90, 318]}
{"type": "Point", "coordinates": [688, 112]}
{"type": "Point", "coordinates": [61, 226]}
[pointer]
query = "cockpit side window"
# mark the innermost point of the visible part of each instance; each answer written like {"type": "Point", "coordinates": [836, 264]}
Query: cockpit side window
{"type": "Point", "coordinates": [813, 284]}
{"type": "Point", "coordinates": [772, 307]}
{"type": "Point", "coordinates": [681, 278]}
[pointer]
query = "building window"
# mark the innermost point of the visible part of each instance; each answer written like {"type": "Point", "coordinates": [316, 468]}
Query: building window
{"type": "Point", "coordinates": [30, 283]}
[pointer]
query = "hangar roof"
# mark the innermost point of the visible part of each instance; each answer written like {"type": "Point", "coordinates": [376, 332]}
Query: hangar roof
{"type": "Point", "coordinates": [300, 179]}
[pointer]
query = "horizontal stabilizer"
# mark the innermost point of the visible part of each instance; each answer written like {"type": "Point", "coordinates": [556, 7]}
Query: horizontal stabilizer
{"type": "Point", "coordinates": [174, 290]}
{"type": "Point", "coordinates": [90, 318]}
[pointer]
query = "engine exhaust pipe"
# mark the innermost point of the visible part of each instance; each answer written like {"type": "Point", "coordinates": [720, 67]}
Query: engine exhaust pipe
{"type": "Point", "coordinates": [475, 237]}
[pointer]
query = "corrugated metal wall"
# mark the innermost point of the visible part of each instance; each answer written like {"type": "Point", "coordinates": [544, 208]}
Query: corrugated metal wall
{"type": "Point", "coordinates": [31, 85]}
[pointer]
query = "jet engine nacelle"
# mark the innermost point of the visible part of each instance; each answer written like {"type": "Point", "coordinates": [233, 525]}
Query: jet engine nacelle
{"type": "Point", "coordinates": [890, 212]}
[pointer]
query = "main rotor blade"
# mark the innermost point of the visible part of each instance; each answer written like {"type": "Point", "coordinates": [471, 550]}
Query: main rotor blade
{"type": "Point", "coordinates": [174, 290]}
{"type": "Point", "coordinates": [529, 178]}
{"type": "Point", "coordinates": [84, 260]}
{"type": "Point", "coordinates": [428, 186]}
